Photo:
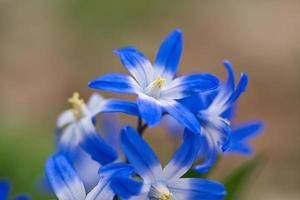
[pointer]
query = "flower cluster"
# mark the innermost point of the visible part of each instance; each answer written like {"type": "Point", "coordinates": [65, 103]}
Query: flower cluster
{"type": "Point", "coordinates": [97, 159]}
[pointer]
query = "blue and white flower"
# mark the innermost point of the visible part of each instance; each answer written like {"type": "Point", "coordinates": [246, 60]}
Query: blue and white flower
{"type": "Point", "coordinates": [67, 185]}
{"type": "Point", "coordinates": [76, 126]}
{"type": "Point", "coordinates": [163, 183]}
{"type": "Point", "coordinates": [5, 190]}
{"type": "Point", "coordinates": [155, 85]}
{"type": "Point", "coordinates": [214, 111]}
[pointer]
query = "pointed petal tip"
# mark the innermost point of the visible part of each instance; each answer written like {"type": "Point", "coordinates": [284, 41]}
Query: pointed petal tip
{"type": "Point", "coordinates": [244, 76]}
{"type": "Point", "coordinates": [124, 49]}
{"type": "Point", "coordinates": [244, 79]}
{"type": "Point", "coordinates": [116, 52]}
{"type": "Point", "coordinates": [228, 66]}
{"type": "Point", "coordinates": [227, 63]}
{"type": "Point", "coordinates": [177, 31]}
{"type": "Point", "coordinates": [91, 84]}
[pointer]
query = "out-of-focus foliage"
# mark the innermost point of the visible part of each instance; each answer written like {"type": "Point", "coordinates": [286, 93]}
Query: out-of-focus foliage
{"type": "Point", "coordinates": [236, 183]}
{"type": "Point", "coordinates": [22, 157]}
{"type": "Point", "coordinates": [105, 16]}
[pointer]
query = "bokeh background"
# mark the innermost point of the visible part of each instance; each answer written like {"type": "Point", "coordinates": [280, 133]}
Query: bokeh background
{"type": "Point", "coordinates": [48, 49]}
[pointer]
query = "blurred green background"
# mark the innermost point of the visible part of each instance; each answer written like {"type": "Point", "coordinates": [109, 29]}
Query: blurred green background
{"type": "Point", "coordinates": [48, 49]}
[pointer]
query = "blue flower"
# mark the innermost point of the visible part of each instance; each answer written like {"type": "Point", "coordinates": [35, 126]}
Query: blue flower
{"type": "Point", "coordinates": [214, 111]}
{"type": "Point", "coordinates": [67, 185]}
{"type": "Point", "coordinates": [76, 127]}
{"type": "Point", "coordinates": [155, 85]}
{"type": "Point", "coordinates": [4, 192]}
{"type": "Point", "coordinates": [163, 183]}
{"type": "Point", "coordinates": [240, 136]}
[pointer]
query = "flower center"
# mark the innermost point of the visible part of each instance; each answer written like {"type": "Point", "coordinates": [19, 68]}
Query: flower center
{"type": "Point", "coordinates": [154, 87]}
{"type": "Point", "coordinates": [214, 128]}
{"type": "Point", "coordinates": [159, 191]}
{"type": "Point", "coordinates": [77, 104]}
{"type": "Point", "coordinates": [159, 82]}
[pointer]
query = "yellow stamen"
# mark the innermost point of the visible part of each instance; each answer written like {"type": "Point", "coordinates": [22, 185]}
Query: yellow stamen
{"type": "Point", "coordinates": [166, 196]}
{"type": "Point", "coordinates": [159, 82]}
{"type": "Point", "coordinates": [77, 104]}
{"type": "Point", "coordinates": [159, 191]}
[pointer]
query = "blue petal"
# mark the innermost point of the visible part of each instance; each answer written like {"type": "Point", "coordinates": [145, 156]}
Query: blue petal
{"type": "Point", "coordinates": [209, 161]}
{"type": "Point", "coordinates": [241, 135]}
{"type": "Point", "coordinates": [68, 140]}
{"type": "Point", "coordinates": [209, 156]}
{"type": "Point", "coordinates": [149, 109]}
{"type": "Point", "coordinates": [111, 127]}
{"type": "Point", "coordinates": [140, 155]}
{"type": "Point", "coordinates": [116, 169]}
{"type": "Point", "coordinates": [118, 105]}
{"type": "Point", "coordinates": [184, 157]}
{"type": "Point", "coordinates": [247, 131]}
{"type": "Point", "coordinates": [230, 113]}
{"type": "Point", "coordinates": [98, 149]}
{"type": "Point", "coordinates": [63, 179]}
{"type": "Point", "coordinates": [4, 189]}
{"type": "Point", "coordinates": [94, 145]}
{"type": "Point", "coordinates": [196, 188]}
{"type": "Point", "coordinates": [126, 187]}
{"type": "Point", "coordinates": [114, 82]}
{"type": "Point", "coordinates": [137, 64]}
{"type": "Point", "coordinates": [241, 148]}
{"type": "Point", "coordinates": [230, 80]}
{"type": "Point", "coordinates": [107, 173]}
{"type": "Point", "coordinates": [195, 102]}
{"type": "Point", "coordinates": [182, 115]}
{"type": "Point", "coordinates": [168, 55]}
{"type": "Point", "coordinates": [186, 85]}
{"type": "Point", "coordinates": [241, 87]}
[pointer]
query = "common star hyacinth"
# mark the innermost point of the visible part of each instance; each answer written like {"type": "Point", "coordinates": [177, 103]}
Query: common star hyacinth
{"type": "Point", "coordinates": [155, 85]}
{"type": "Point", "coordinates": [67, 185]}
{"type": "Point", "coordinates": [75, 126]}
{"type": "Point", "coordinates": [197, 106]}
{"type": "Point", "coordinates": [158, 183]}
{"type": "Point", "coordinates": [214, 111]}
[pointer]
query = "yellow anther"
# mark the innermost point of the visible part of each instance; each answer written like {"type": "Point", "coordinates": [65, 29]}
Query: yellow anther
{"type": "Point", "coordinates": [166, 196]}
{"type": "Point", "coordinates": [77, 104]}
{"type": "Point", "coordinates": [159, 191]}
{"type": "Point", "coordinates": [159, 82]}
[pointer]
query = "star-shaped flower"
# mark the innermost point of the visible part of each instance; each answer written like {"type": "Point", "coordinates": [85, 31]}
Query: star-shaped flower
{"type": "Point", "coordinates": [155, 85]}
{"type": "Point", "coordinates": [163, 183]}
{"type": "Point", "coordinates": [214, 111]}
{"type": "Point", "coordinates": [76, 127]}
